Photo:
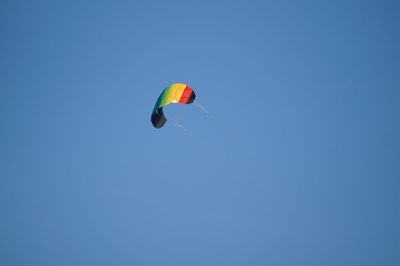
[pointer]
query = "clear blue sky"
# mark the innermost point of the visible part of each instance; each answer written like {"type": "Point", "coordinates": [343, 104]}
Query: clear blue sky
{"type": "Point", "coordinates": [298, 163]}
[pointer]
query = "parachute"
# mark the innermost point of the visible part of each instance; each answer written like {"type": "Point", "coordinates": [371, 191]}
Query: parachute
{"type": "Point", "coordinates": [179, 93]}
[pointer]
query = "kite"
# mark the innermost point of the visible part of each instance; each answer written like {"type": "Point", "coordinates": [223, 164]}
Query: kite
{"type": "Point", "coordinates": [179, 93]}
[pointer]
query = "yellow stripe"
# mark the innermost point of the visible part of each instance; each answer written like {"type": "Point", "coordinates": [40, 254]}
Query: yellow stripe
{"type": "Point", "coordinates": [175, 93]}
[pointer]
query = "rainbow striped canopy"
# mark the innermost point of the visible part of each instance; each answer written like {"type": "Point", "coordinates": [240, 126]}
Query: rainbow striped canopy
{"type": "Point", "coordinates": [175, 93]}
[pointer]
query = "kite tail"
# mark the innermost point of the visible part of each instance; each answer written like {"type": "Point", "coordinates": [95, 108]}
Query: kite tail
{"type": "Point", "coordinates": [202, 108]}
{"type": "Point", "coordinates": [178, 125]}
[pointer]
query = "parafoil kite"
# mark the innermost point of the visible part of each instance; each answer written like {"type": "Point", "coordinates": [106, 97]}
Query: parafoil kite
{"type": "Point", "coordinates": [175, 93]}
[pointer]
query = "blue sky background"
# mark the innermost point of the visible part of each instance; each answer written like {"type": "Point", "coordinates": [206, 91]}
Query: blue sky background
{"type": "Point", "coordinates": [298, 163]}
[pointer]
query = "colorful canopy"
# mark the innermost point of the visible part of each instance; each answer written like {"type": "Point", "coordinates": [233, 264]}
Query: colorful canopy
{"type": "Point", "coordinates": [175, 93]}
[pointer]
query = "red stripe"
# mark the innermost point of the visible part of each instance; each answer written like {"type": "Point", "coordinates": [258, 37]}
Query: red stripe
{"type": "Point", "coordinates": [186, 95]}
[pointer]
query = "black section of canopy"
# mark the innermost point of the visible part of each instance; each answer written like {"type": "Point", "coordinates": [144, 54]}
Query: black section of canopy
{"type": "Point", "coordinates": [157, 118]}
{"type": "Point", "coordinates": [191, 98]}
